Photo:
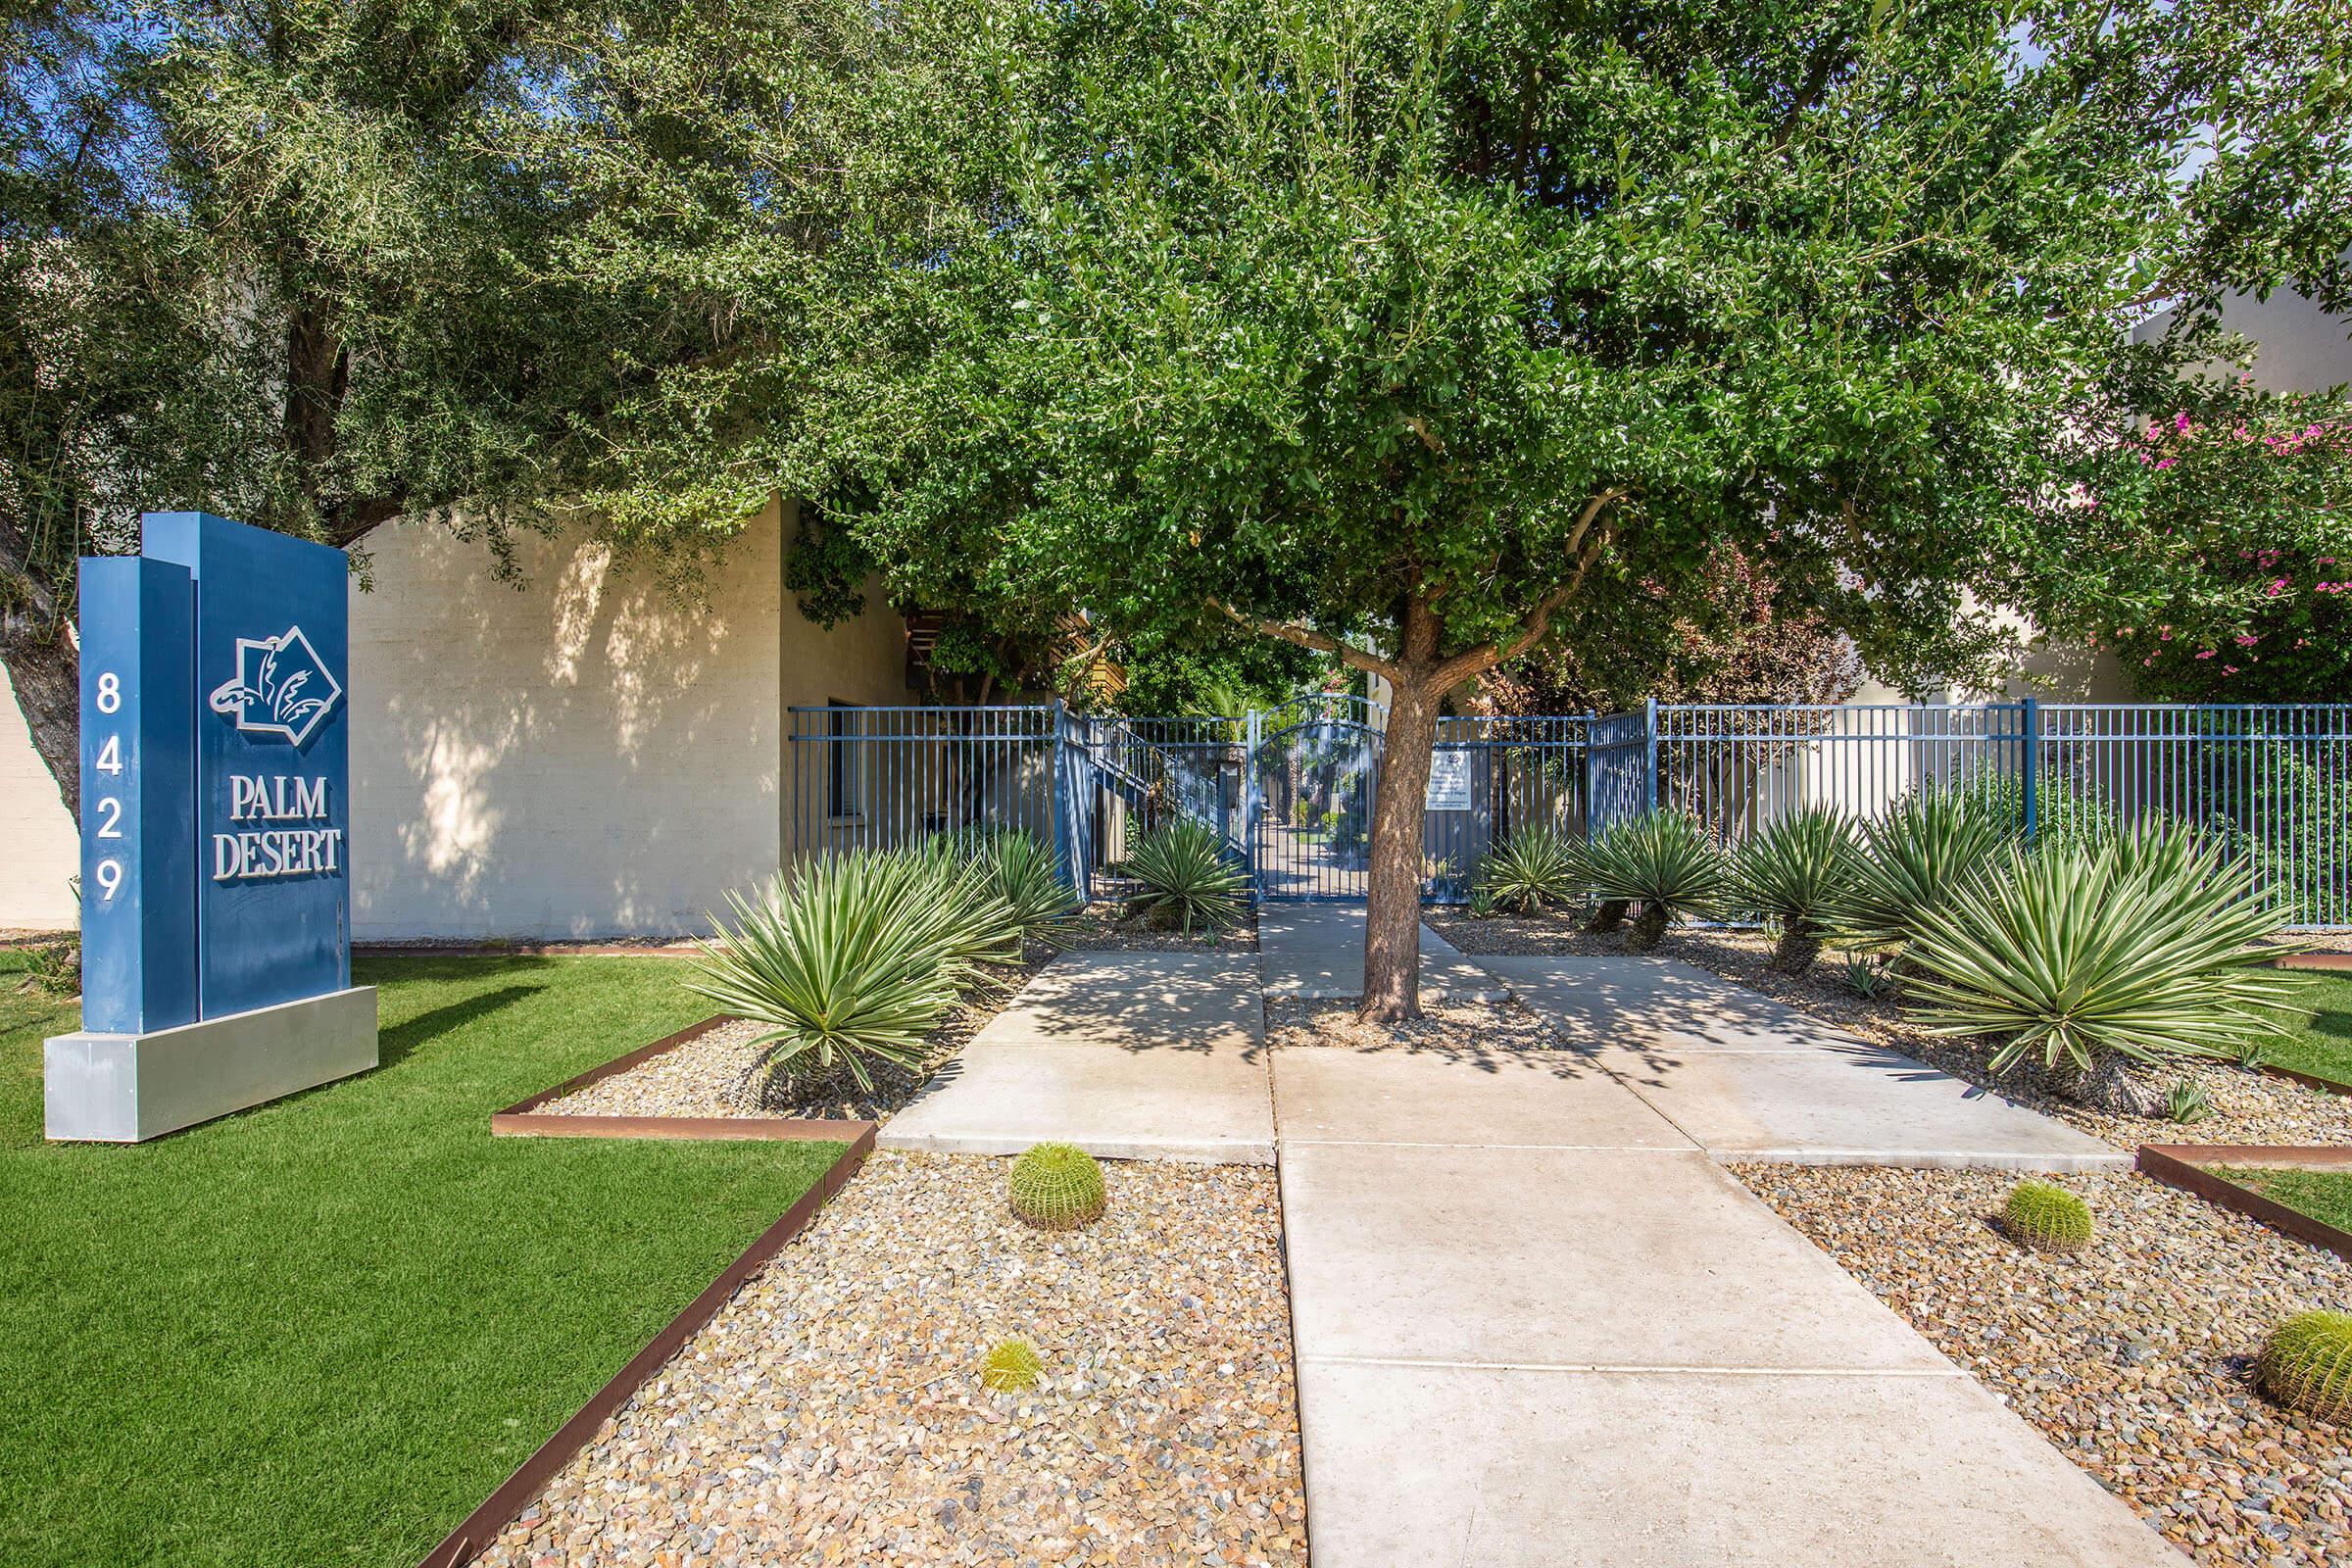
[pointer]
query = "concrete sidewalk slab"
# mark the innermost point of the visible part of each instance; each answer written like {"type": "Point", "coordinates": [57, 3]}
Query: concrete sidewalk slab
{"type": "Point", "coordinates": [1532, 1330]}
{"type": "Point", "coordinates": [1848, 1103]}
{"type": "Point", "coordinates": [1637, 1000]}
{"type": "Point", "coordinates": [1137, 1002]}
{"type": "Point", "coordinates": [1316, 952]}
{"type": "Point", "coordinates": [1540, 1257]}
{"type": "Point", "coordinates": [1482, 1099]}
{"type": "Point", "coordinates": [1750, 1078]}
{"type": "Point", "coordinates": [1414, 1465]}
{"type": "Point", "coordinates": [1206, 1107]}
{"type": "Point", "coordinates": [1130, 1055]}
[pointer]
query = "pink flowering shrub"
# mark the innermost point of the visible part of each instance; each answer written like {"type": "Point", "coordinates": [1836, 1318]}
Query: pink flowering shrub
{"type": "Point", "coordinates": [2232, 580]}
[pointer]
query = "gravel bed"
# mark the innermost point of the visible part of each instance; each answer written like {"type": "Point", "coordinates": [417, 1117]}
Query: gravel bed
{"type": "Point", "coordinates": [832, 1412]}
{"type": "Point", "coordinates": [1470, 1030]}
{"type": "Point", "coordinates": [1104, 928]}
{"type": "Point", "coordinates": [714, 1074]}
{"type": "Point", "coordinates": [2249, 1107]}
{"type": "Point", "coordinates": [2133, 1356]}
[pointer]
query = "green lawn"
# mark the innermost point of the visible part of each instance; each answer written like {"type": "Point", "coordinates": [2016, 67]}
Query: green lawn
{"type": "Point", "coordinates": [318, 1333]}
{"type": "Point", "coordinates": [2319, 1044]}
{"type": "Point", "coordinates": [2324, 1194]}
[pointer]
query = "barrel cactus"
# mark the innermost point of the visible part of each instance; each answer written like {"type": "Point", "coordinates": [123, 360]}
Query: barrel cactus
{"type": "Point", "coordinates": [2308, 1365]}
{"type": "Point", "coordinates": [1011, 1367]}
{"type": "Point", "coordinates": [2047, 1219]}
{"type": "Point", "coordinates": [1057, 1187]}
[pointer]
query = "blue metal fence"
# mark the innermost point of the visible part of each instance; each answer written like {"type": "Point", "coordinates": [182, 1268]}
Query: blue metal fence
{"type": "Point", "coordinates": [1290, 793]}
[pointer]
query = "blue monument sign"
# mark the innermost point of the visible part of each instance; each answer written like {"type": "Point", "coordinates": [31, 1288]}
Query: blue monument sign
{"type": "Point", "coordinates": [216, 830]}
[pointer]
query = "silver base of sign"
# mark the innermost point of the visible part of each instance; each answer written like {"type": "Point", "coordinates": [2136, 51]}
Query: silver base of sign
{"type": "Point", "coordinates": [126, 1089]}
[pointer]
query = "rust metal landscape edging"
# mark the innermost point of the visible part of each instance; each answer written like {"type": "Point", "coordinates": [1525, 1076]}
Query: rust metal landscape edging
{"type": "Point", "coordinates": [2307, 1080]}
{"type": "Point", "coordinates": [482, 1526]}
{"type": "Point", "coordinates": [524, 1119]}
{"type": "Point", "coordinates": [2183, 1166]}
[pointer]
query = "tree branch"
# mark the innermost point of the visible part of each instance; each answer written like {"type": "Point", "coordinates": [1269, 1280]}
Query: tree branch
{"type": "Point", "coordinates": [1307, 637]}
{"type": "Point", "coordinates": [1586, 544]}
{"type": "Point", "coordinates": [1828, 56]}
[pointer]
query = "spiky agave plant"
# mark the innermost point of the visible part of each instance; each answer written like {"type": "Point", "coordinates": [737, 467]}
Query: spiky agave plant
{"type": "Point", "coordinates": [1912, 859]}
{"type": "Point", "coordinates": [1024, 873]}
{"type": "Point", "coordinates": [1664, 862]}
{"type": "Point", "coordinates": [2093, 957]}
{"type": "Point", "coordinates": [1795, 871]}
{"type": "Point", "coordinates": [849, 965]}
{"type": "Point", "coordinates": [1186, 878]}
{"type": "Point", "coordinates": [1535, 866]}
{"type": "Point", "coordinates": [967, 912]}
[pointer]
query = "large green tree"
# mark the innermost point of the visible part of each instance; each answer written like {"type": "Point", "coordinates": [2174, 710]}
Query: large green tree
{"type": "Point", "coordinates": [291, 261]}
{"type": "Point", "coordinates": [1394, 331]}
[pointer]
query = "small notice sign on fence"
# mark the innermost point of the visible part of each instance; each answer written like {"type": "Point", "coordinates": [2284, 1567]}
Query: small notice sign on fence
{"type": "Point", "coordinates": [1449, 779]}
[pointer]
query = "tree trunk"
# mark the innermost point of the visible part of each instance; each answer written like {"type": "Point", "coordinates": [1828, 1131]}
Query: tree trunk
{"type": "Point", "coordinates": [318, 375]}
{"type": "Point", "coordinates": [1799, 946]}
{"type": "Point", "coordinates": [47, 676]}
{"type": "Point", "coordinates": [1608, 915]}
{"type": "Point", "coordinates": [2114, 1083]}
{"type": "Point", "coordinates": [1393, 886]}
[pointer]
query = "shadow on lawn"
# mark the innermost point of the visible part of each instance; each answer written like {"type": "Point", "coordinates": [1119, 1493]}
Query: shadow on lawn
{"type": "Point", "coordinates": [397, 1042]}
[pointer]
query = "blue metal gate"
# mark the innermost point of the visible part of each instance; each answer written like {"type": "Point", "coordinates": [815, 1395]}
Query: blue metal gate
{"type": "Point", "coordinates": [1314, 770]}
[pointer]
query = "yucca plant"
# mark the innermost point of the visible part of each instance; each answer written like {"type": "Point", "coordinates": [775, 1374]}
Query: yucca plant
{"type": "Point", "coordinates": [1535, 866]}
{"type": "Point", "coordinates": [2093, 957]}
{"type": "Point", "coordinates": [967, 913]}
{"type": "Point", "coordinates": [1666, 862]}
{"type": "Point", "coordinates": [1868, 977]}
{"type": "Point", "coordinates": [1795, 871]}
{"type": "Point", "coordinates": [1608, 914]}
{"type": "Point", "coordinates": [1186, 878]}
{"type": "Point", "coordinates": [1911, 862]}
{"type": "Point", "coordinates": [1023, 872]}
{"type": "Point", "coordinates": [849, 965]}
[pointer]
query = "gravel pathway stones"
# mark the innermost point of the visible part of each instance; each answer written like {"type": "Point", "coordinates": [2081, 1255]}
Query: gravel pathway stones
{"type": "Point", "coordinates": [833, 1412]}
{"type": "Point", "coordinates": [1131, 1055]}
{"type": "Point", "coordinates": [2132, 1356]}
{"type": "Point", "coordinates": [1751, 1078]}
{"type": "Point", "coordinates": [1316, 950]}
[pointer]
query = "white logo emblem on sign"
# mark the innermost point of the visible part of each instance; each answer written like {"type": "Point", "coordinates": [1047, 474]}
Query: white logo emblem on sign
{"type": "Point", "coordinates": [282, 687]}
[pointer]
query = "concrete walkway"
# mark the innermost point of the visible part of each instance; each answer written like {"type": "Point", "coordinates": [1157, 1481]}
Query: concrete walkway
{"type": "Point", "coordinates": [1130, 1055]}
{"type": "Point", "coordinates": [1316, 950]}
{"type": "Point", "coordinates": [1748, 1078]}
{"type": "Point", "coordinates": [1537, 1324]}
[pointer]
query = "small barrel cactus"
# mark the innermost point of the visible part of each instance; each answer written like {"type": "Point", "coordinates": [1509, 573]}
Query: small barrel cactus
{"type": "Point", "coordinates": [2047, 1219]}
{"type": "Point", "coordinates": [2308, 1365]}
{"type": "Point", "coordinates": [1011, 1367]}
{"type": "Point", "coordinates": [1057, 1187]}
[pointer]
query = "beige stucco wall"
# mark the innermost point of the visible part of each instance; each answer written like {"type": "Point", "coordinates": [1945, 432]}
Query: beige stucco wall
{"type": "Point", "coordinates": [39, 851]}
{"type": "Point", "coordinates": [2298, 347]}
{"type": "Point", "coordinates": [587, 756]}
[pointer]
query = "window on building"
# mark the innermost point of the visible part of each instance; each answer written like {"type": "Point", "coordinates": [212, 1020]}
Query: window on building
{"type": "Point", "coordinates": [841, 760]}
